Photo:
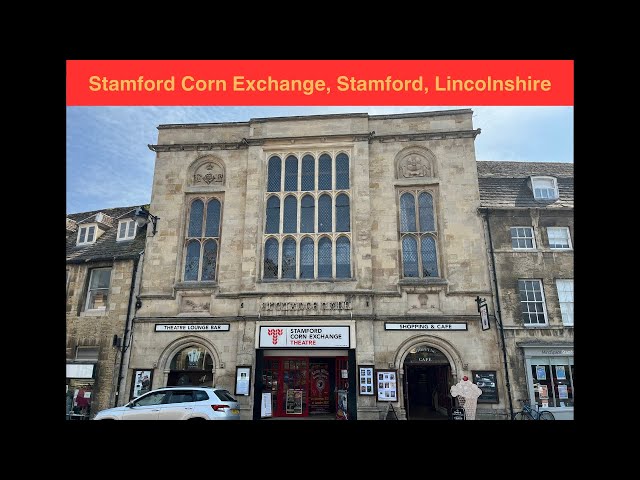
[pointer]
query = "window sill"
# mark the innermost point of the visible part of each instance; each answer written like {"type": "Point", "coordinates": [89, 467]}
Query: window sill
{"type": "Point", "coordinates": [307, 280]}
{"type": "Point", "coordinates": [94, 313]}
{"type": "Point", "coordinates": [195, 285]}
{"type": "Point", "coordinates": [423, 281]}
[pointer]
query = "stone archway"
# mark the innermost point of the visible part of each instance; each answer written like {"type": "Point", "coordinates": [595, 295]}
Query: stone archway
{"type": "Point", "coordinates": [429, 363]}
{"type": "Point", "coordinates": [168, 357]}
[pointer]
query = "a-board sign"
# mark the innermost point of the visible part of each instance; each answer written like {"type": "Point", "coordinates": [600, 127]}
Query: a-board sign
{"type": "Point", "coordinates": [457, 413]}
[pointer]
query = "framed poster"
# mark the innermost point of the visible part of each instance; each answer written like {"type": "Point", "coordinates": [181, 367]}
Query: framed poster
{"type": "Point", "coordinates": [541, 373]}
{"type": "Point", "coordinates": [365, 374]}
{"type": "Point", "coordinates": [486, 380]}
{"type": "Point", "coordinates": [265, 405]}
{"type": "Point", "coordinates": [561, 374]}
{"type": "Point", "coordinates": [294, 401]}
{"type": "Point", "coordinates": [243, 380]}
{"type": "Point", "coordinates": [140, 382]}
{"type": "Point", "coordinates": [387, 385]}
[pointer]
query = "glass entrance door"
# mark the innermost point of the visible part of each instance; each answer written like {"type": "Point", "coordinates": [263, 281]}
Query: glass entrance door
{"type": "Point", "coordinates": [294, 393]}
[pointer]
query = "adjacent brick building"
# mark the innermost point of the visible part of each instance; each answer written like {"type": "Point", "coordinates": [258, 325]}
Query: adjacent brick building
{"type": "Point", "coordinates": [103, 255]}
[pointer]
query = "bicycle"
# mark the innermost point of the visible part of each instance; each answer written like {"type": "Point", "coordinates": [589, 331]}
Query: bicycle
{"type": "Point", "coordinates": [529, 413]}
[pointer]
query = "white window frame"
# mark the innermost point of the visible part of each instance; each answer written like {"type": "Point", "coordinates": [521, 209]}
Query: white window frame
{"type": "Point", "coordinates": [533, 239]}
{"type": "Point", "coordinates": [88, 291]}
{"type": "Point", "coordinates": [85, 227]}
{"type": "Point", "coordinates": [127, 232]}
{"type": "Point", "coordinates": [544, 304]}
{"type": "Point", "coordinates": [542, 179]}
{"type": "Point", "coordinates": [566, 229]}
{"type": "Point", "coordinates": [565, 320]}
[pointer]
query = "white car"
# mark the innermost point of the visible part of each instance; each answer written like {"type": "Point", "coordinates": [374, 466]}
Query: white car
{"type": "Point", "coordinates": [177, 403]}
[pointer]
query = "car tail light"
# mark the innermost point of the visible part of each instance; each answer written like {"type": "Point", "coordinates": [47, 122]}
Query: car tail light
{"type": "Point", "coordinates": [219, 408]}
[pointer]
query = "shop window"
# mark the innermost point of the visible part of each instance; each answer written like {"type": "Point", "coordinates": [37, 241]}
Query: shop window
{"type": "Point", "coordinates": [308, 217]}
{"type": "Point", "coordinates": [98, 289]}
{"type": "Point", "coordinates": [552, 383]}
{"type": "Point", "coordinates": [202, 241]}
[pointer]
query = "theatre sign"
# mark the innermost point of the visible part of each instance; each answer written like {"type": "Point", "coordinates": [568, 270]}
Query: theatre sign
{"type": "Point", "coordinates": [275, 336]}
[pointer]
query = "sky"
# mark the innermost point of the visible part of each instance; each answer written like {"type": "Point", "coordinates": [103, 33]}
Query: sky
{"type": "Point", "coordinates": [109, 164]}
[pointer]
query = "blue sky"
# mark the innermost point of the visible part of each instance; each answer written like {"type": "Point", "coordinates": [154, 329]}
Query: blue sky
{"type": "Point", "coordinates": [109, 164]}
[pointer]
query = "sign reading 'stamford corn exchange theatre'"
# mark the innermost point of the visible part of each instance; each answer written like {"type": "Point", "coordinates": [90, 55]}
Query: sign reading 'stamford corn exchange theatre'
{"type": "Point", "coordinates": [277, 336]}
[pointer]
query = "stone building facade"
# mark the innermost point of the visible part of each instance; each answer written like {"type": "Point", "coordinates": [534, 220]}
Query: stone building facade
{"type": "Point", "coordinates": [103, 255]}
{"type": "Point", "coordinates": [527, 208]}
{"type": "Point", "coordinates": [336, 259]}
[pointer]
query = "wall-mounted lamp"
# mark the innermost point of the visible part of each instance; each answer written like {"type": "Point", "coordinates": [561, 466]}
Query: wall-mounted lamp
{"type": "Point", "coordinates": [142, 217]}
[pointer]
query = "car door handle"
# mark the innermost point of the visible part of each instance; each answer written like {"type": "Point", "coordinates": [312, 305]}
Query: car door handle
{"type": "Point", "coordinates": [188, 408]}
{"type": "Point", "coordinates": [155, 410]}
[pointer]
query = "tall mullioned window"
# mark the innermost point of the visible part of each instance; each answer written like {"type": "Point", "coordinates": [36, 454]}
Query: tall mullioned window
{"type": "Point", "coordinates": [307, 230]}
{"type": "Point", "coordinates": [202, 240]}
{"type": "Point", "coordinates": [418, 235]}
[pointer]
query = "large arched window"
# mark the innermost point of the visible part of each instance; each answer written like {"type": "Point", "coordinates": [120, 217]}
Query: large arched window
{"type": "Point", "coordinates": [274, 175]}
{"type": "Point", "coordinates": [271, 258]}
{"type": "Point", "coordinates": [308, 203]}
{"type": "Point", "coordinates": [203, 238]}
{"type": "Point", "coordinates": [291, 174]}
{"type": "Point", "coordinates": [419, 253]}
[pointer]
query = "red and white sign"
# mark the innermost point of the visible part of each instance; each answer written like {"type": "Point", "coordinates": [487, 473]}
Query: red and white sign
{"type": "Point", "coordinates": [304, 337]}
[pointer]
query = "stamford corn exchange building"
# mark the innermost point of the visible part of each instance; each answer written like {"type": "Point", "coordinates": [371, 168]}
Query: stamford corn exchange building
{"type": "Point", "coordinates": [318, 266]}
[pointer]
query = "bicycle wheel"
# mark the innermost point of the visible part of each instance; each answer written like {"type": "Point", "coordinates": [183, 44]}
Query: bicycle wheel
{"type": "Point", "coordinates": [546, 416]}
{"type": "Point", "coordinates": [522, 416]}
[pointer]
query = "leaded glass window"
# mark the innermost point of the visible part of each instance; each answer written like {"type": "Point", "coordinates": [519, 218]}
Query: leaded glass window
{"type": "Point", "coordinates": [324, 258]}
{"type": "Point", "coordinates": [203, 237]}
{"type": "Point", "coordinates": [274, 175]}
{"type": "Point", "coordinates": [342, 172]}
{"type": "Point", "coordinates": [290, 220]}
{"type": "Point", "coordinates": [419, 251]}
{"type": "Point", "coordinates": [291, 174]}
{"type": "Point", "coordinates": [343, 258]}
{"type": "Point", "coordinates": [271, 258]}
{"type": "Point", "coordinates": [306, 258]}
{"type": "Point", "coordinates": [343, 222]}
{"type": "Point", "coordinates": [308, 173]}
{"type": "Point", "coordinates": [307, 229]}
{"type": "Point", "coordinates": [289, 258]}
{"type": "Point", "coordinates": [273, 215]}
{"type": "Point", "coordinates": [307, 214]}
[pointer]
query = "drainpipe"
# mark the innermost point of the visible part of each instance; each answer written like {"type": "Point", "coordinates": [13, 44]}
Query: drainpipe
{"type": "Point", "coordinates": [494, 278]}
{"type": "Point", "coordinates": [128, 328]}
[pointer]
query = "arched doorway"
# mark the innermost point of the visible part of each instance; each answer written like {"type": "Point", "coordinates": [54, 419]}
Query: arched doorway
{"type": "Point", "coordinates": [192, 365]}
{"type": "Point", "coordinates": [427, 375]}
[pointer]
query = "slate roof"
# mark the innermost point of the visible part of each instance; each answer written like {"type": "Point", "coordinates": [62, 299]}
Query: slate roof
{"type": "Point", "coordinates": [106, 247]}
{"type": "Point", "coordinates": [504, 184]}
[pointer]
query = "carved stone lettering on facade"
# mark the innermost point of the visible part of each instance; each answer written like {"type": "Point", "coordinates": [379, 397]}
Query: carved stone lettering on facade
{"type": "Point", "coordinates": [305, 307]}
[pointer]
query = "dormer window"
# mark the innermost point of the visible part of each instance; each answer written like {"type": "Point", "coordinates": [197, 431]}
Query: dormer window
{"type": "Point", "coordinates": [544, 188]}
{"type": "Point", "coordinates": [126, 229]}
{"type": "Point", "coordinates": [86, 234]}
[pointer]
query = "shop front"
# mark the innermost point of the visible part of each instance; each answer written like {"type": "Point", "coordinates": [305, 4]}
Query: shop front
{"type": "Point", "coordinates": [80, 389]}
{"type": "Point", "coordinates": [305, 371]}
{"type": "Point", "coordinates": [550, 378]}
{"type": "Point", "coordinates": [427, 375]}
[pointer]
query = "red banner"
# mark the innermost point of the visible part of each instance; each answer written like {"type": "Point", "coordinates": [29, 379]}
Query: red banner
{"type": "Point", "coordinates": [320, 82]}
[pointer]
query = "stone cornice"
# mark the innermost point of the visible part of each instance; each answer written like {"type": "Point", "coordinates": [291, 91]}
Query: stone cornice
{"type": "Point", "coordinates": [344, 137]}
